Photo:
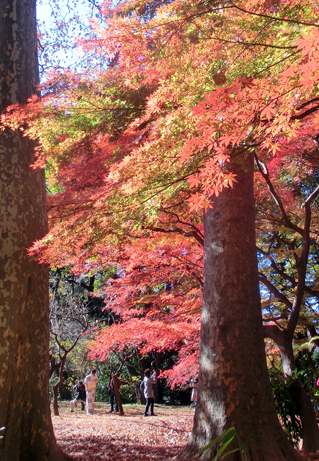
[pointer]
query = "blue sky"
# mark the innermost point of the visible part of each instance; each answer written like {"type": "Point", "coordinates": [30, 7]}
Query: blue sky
{"type": "Point", "coordinates": [59, 23]}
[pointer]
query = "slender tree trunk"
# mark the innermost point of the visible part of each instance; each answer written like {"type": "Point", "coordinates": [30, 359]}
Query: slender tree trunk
{"type": "Point", "coordinates": [157, 389]}
{"type": "Point", "coordinates": [24, 312]}
{"type": "Point", "coordinates": [234, 388]}
{"type": "Point", "coordinates": [309, 424]}
{"type": "Point", "coordinates": [310, 431]}
{"type": "Point", "coordinates": [142, 367]}
{"type": "Point", "coordinates": [116, 385]}
{"type": "Point", "coordinates": [57, 385]}
{"type": "Point", "coordinates": [55, 399]}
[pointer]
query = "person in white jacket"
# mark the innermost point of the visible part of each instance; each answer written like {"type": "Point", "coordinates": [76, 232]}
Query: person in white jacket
{"type": "Point", "coordinates": [90, 386]}
{"type": "Point", "coordinates": [148, 391]}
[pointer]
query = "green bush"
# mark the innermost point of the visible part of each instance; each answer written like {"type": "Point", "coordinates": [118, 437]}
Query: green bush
{"type": "Point", "coordinates": [285, 396]}
{"type": "Point", "coordinates": [127, 389]}
{"type": "Point", "coordinates": [286, 393]}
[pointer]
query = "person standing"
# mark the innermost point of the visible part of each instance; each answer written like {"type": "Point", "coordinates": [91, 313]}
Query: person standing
{"type": "Point", "coordinates": [90, 386]}
{"type": "Point", "coordinates": [193, 385]}
{"type": "Point", "coordinates": [80, 396]}
{"type": "Point", "coordinates": [113, 401]}
{"type": "Point", "coordinates": [149, 381]}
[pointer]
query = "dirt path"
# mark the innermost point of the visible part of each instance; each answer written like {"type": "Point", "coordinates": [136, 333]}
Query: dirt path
{"type": "Point", "coordinates": [130, 437]}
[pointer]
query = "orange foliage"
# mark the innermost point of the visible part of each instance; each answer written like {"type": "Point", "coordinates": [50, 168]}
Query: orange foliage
{"type": "Point", "coordinates": [136, 154]}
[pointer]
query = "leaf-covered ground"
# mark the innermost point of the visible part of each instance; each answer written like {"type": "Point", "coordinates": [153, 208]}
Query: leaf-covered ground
{"type": "Point", "coordinates": [131, 437]}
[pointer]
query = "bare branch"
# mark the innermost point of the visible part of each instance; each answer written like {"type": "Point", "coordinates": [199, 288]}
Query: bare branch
{"type": "Point", "coordinates": [265, 174]}
{"type": "Point", "coordinates": [273, 290]}
{"type": "Point", "coordinates": [275, 18]}
{"type": "Point", "coordinates": [276, 268]}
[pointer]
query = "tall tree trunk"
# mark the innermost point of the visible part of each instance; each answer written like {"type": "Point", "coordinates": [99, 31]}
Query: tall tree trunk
{"type": "Point", "coordinates": [234, 388]}
{"type": "Point", "coordinates": [24, 312]}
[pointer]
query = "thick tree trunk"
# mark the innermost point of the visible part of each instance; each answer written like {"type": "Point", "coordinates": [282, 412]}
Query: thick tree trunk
{"type": "Point", "coordinates": [234, 387]}
{"type": "Point", "coordinates": [24, 313]}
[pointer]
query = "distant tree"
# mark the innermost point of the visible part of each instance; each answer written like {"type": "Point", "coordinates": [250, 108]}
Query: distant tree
{"type": "Point", "coordinates": [71, 315]}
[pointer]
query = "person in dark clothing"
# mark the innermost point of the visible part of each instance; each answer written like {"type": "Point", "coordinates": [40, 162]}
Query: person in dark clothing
{"type": "Point", "coordinates": [80, 396]}
{"type": "Point", "coordinates": [113, 401]}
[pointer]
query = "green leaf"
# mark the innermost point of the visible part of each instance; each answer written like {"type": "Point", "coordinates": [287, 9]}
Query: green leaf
{"type": "Point", "coordinates": [230, 432]}
{"type": "Point", "coordinates": [229, 453]}
{"type": "Point", "coordinates": [223, 448]}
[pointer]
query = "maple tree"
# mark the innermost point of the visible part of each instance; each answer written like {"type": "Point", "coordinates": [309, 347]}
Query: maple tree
{"type": "Point", "coordinates": [250, 71]}
{"type": "Point", "coordinates": [158, 299]}
{"type": "Point", "coordinates": [278, 144]}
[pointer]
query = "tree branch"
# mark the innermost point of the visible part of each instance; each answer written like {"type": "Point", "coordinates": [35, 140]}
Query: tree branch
{"type": "Point", "coordinates": [274, 291]}
{"type": "Point", "coordinates": [276, 268]}
{"type": "Point", "coordinates": [302, 262]}
{"type": "Point", "coordinates": [179, 231]}
{"type": "Point", "coordinates": [265, 174]}
{"type": "Point", "coordinates": [274, 18]}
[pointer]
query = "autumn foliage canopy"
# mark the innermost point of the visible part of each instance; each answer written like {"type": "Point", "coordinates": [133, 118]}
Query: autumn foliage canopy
{"type": "Point", "coordinates": [135, 146]}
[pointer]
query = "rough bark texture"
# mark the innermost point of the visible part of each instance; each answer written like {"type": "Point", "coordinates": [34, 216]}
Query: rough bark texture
{"type": "Point", "coordinates": [24, 314]}
{"type": "Point", "coordinates": [234, 387]}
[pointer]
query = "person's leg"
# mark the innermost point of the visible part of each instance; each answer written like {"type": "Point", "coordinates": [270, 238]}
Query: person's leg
{"type": "Point", "coordinates": [72, 404]}
{"type": "Point", "coordinates": [111, 402]}
{"type": "Point", "coordinates": [152, 406]}
{"type": "Point", "coordinates": [93, 400]}
{"type": "Point", "coordinates": [116, 404]}
{"type": "Point", "coordinates": [82, 405]}
{"type": "Point", "coordinates": [89, 402]}
{"type": "Point", "coordinates": [147, 406]}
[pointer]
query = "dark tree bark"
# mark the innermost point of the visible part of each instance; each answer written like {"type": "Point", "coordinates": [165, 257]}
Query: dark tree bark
{"type": "Point", "coordinates": [284, 336]}
{"type": "Point", "coordinates": [234, 388]}
{"type": "Point", "coordinates": [116, 384]}
{"type": "Point", "coordinates": [24, 312]}
{"type": "Point", "coordinates": [310, 432]}
{"type": "Point", "coordinates": [57, 385]}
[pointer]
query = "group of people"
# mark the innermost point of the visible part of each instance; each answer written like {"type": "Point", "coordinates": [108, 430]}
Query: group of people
{"type": "Point", "coordinates": [85, 392]}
